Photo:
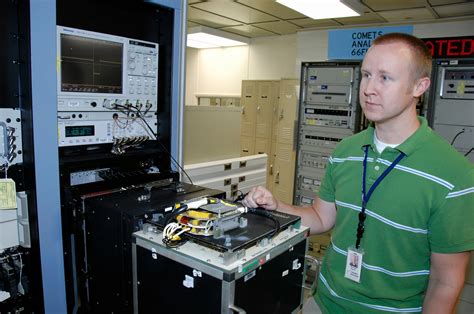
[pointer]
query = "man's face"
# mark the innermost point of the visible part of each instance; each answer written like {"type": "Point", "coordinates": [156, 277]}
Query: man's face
{"type": "Point", "coordinates": [387, 89]}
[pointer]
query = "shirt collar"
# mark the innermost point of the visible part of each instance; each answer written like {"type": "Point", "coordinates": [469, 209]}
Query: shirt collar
{"type": "Point", "coordinates": [409, 145]}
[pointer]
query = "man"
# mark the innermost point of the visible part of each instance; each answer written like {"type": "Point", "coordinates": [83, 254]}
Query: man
{"type": "Point", "coordinates": [404, 244]}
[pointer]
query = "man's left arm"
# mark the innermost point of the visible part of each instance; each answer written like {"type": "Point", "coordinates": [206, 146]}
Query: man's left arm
{"type": "Point", "coordinates": [447, 275]}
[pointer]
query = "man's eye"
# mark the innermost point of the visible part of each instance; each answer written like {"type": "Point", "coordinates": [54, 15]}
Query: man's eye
{"type": "Point", "coordinates": [385, 78]}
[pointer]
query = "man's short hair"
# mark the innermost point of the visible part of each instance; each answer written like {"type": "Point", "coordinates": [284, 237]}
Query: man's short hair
{"type": "Point", "coordinates": [421, 54]}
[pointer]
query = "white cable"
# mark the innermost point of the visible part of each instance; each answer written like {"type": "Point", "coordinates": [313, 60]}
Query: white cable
{"type": "Point", "coordinates": [147, 130]}
{"type": "Point", "coordinates": [169, 229]}
{"type": "Point", "coordinates": [208, 226]}
{"type": "Point", "coordinates": [181, 232]}
{"type": "Point", "coordinates": [121, 124]}
{"type": "Point", "coordinates": [169, 232]}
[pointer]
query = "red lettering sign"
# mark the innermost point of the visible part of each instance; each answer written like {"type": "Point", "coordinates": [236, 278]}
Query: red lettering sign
{"type": "Point", "coordinates": [451, 47]}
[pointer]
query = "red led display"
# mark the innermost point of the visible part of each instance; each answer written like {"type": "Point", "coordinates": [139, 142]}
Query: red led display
{"type": "Point", "coordinates": [451, 47]}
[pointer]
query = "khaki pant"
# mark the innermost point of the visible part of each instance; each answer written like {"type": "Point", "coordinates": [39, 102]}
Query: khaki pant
{"type": "Point", "coordinates": [311, 307]}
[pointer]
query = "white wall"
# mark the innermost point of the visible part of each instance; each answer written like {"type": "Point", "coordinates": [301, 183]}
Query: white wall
{"type": "Point", "coordinates": [272, 58]}
{"type": "Point", "coordinates": [191, 76]}
{"type": "Point", "coordinates": [448, 29]}
{"type": "Point", "coordinates": [312, 46]}
{"type": "Point", "coordinates": [220, 71]}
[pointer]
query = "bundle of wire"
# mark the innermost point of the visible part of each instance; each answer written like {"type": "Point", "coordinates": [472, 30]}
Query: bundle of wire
{"type": "Point", "coordinates": [120, 144]}
{"type": "Point", "coordinates": [172, 234]}
{"type": "Point", "coordinates": [134, 114]}
{"type": "Point", "coordinates": [201, 222]}
{"type": "Point", "coordinates": [173, 230]}
{"type": "Point", "coordinates": [193, 220]}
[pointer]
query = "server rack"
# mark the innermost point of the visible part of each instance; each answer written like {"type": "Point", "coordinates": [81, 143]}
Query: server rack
{"type": "Point", "coordinates": [451, 103]}
{"type": "Point", "coordinates": [150, 34]}
{"type": "Point", "coordinates": [329, 111]}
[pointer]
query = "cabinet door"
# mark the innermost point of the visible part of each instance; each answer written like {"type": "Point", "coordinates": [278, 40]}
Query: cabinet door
{"type": "Point", "coordinates": [264, 110]}
{"type": "Point", "coordinates": [247, 145]}
{"type": "Point", "coordinates": [287, 111]}
{"type": "Point", "coordinates": [271, 167]}
{"type": "Point", "coordinates": [248, 105]}
{"type": "Point", "coordinates": [262, 146]}
{"type": "Point", "coordinates": [284, 172]}
{"type": "Point", "coordinates": [275, 106]}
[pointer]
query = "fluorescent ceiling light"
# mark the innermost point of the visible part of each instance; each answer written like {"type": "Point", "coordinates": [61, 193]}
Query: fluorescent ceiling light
{"type": "Point", "coordinates": [322, 9]}
{"type": "Point", "coordinates": [206, 37]}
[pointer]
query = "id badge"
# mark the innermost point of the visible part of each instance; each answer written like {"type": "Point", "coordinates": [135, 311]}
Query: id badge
{"type": "Point", "coordinates": [354, 263]}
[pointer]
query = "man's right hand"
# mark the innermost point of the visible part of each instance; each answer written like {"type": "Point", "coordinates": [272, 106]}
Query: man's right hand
{"type": "Point", "coordinates": [260, 197]}
{"type": "Point", "coordinates": [320, 216]}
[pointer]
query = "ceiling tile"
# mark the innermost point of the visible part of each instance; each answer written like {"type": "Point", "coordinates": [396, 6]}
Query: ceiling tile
{"type": "Point", "coordinates": [443, 2]}
{"type": "Point", "coordinates": [268, 16]}
{"type": "Point", "coordinates": [280, 27]}
{"type": "Point", "coordinates": [406, 15]}
{"type": "Point", "coordinates": [381, 5]}
{"type": "Point", "coordinates": [248, 31]}
{"type": "Point", "coordinates": [455, 10]}
{"type": "Point", "coordinates": [273, 8]}
{"type": "Point", "coordinates": [366, 18]}
{"type": "Point", "coordinates": [235, 11]}
{"type": "Point", "coordinates": [209, 19]}
{"type": "Point", "coordinates": [308, 22]}
{"type": "Point", "coordinates": [191, 24]}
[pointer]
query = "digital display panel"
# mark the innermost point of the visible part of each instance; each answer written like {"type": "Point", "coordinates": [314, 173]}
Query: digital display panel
{"type": "Point", "coordinates": [91, 65]}
{"type": "Point", "coordinates": [83, 130]}
{"type": "Point", "coordinates": [451, 47]}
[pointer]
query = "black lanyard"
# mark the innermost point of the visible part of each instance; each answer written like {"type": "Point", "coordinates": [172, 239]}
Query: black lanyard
{"type": "Point", "coordinates": [366, 196]}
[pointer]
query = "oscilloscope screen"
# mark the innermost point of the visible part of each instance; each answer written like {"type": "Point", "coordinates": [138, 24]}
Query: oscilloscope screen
{"type": "Point", "coordinates": [90, 65]}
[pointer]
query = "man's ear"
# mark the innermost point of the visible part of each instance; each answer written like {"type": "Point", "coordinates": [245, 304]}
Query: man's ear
{"type": "Point", "coordinates": [421, 86]}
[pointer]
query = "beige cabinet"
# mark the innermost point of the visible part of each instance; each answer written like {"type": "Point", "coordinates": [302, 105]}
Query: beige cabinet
{"type": "Point", "coordinates": [210, 133]}
{"type": "Point", "coordinates": [283, 166]}
{"type": "Point", "coordinates": [284, 172]}
{"type": "Point", "coordinates": [259, 107]}
{"type": "Point", "coordinates": [262, 146]}
{"type": "Point", "coordinates": [248, 103]}
{"type": "Point", "coordinates": [247, 146]}
{"type": "Point", "coordinates": [276, 103]}
{"type": "Point", "coordinates": [264, 110]}
{"type": "Point", "coordinates": [272, 108]}
{"type": "Point", "coordinates": [287, 111]}
{"type": "Point", "coordinates": [271, 164]}
{"type": "Point", "coordinates": [258, 101]}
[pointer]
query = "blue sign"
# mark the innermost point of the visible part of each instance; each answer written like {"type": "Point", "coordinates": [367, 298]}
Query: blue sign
{"type": "Point", "coordinates": [354, 43]}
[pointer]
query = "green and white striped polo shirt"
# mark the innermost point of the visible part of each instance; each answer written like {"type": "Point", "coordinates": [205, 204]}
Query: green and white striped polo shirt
{"type": "Point", "coordinates": [424, 205]}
